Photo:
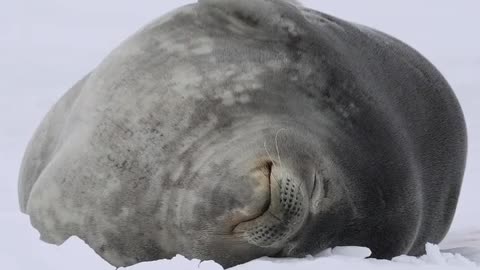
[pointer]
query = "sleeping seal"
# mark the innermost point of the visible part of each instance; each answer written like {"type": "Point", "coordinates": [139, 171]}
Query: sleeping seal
{"type": "Point", "coordinates": [231, 130]}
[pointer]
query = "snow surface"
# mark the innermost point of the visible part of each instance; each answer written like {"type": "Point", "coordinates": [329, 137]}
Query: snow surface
{"type": "Point", "coordinates": [48, 45]}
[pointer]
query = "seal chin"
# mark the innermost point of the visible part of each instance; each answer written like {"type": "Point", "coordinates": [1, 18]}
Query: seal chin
{"type": "Point", "coordinates": [282, 217]}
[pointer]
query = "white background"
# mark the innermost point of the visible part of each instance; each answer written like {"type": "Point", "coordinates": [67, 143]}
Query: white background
{"type": "Point", "coordinates": [46, 46]}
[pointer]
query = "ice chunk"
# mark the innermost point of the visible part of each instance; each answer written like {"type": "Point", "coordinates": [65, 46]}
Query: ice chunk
{"type": "Point", "coordinates": [354, 252]}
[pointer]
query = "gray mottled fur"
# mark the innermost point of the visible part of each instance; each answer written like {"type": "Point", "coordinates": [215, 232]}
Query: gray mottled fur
{"type": "Point", "coordinates": [231, 130]}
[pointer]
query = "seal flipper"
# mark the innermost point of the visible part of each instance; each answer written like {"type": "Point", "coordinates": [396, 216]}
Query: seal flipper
{"type": "Point", "coordinates": [43, 144]}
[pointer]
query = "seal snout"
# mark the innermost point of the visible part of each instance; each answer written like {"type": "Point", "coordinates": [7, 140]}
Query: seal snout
{"type": "Point", "coordinates": [284, 215]}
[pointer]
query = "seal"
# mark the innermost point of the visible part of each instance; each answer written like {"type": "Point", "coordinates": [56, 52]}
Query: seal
{"type": "Point", "coordinates": [230, 130]}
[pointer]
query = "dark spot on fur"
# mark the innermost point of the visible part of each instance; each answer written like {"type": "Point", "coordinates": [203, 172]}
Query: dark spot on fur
{"type": "Point", "coordinates": [293, 45]}
{"type": "Point", "coordinates": [247, 19]}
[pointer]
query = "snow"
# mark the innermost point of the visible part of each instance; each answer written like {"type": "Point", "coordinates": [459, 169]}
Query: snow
{"type": "Point", "coordinates": [339, 257]}
{"type": "Point", "coordinates": [46, 46]}
{"type": "Point", "coordinates": [356, 252]}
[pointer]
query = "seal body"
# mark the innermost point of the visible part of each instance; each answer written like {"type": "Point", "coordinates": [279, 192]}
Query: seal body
{"type": "Point", "coordinates": [231, 130]}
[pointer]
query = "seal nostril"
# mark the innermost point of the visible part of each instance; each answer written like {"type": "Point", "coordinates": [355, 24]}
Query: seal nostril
{"type": "Point", "coordinates": [315, 183]}
{"type": "Point", "coordinates": [266, 206]}
{"type": "Point", "coordinates": [266, 170]}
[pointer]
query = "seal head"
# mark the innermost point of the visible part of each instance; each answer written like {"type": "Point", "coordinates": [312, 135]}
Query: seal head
{"type": "Point", "coordinates": [231, 130]}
